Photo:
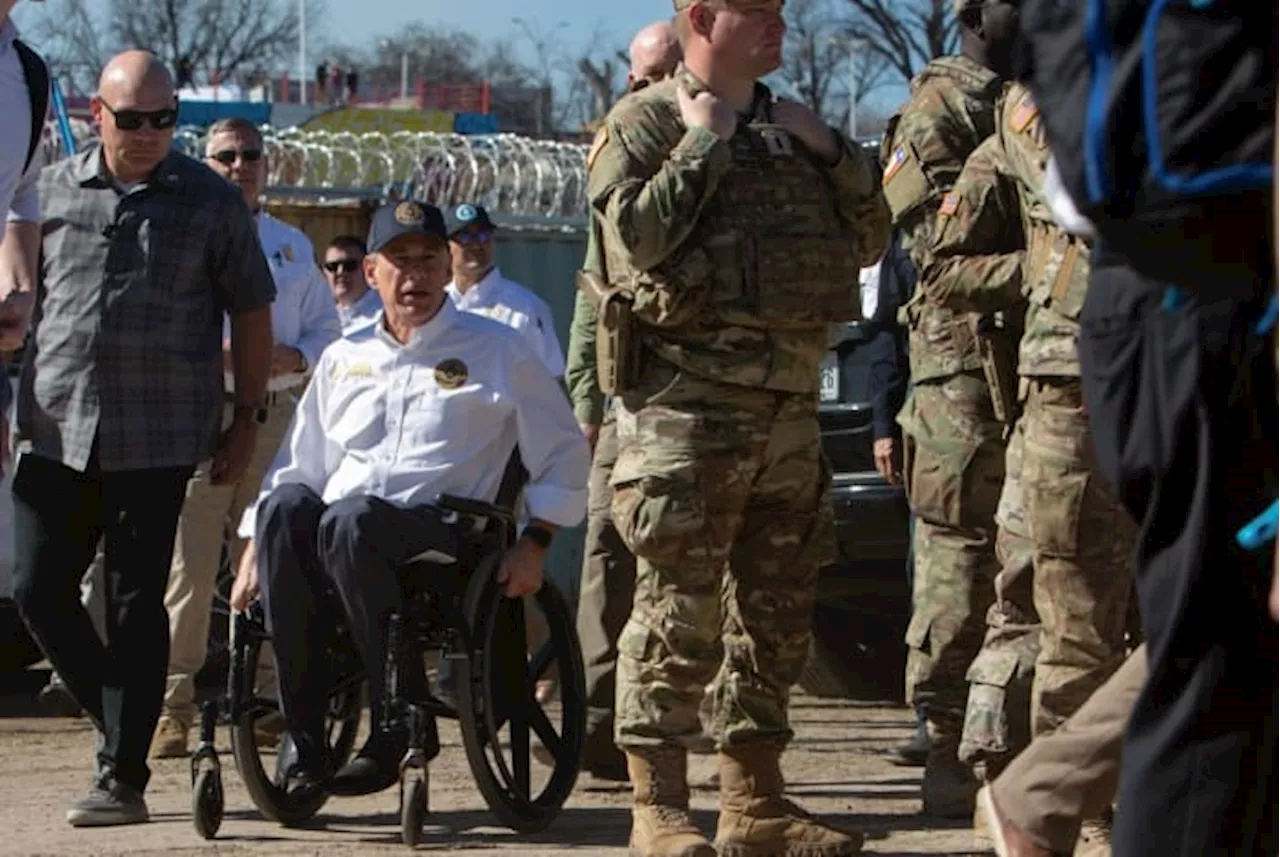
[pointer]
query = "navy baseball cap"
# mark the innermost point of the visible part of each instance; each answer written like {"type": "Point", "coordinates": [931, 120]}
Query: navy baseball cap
{"type": "Point", "coordinates": [406, 217]}
{"type": "Point", "coordinates": [468, 215]}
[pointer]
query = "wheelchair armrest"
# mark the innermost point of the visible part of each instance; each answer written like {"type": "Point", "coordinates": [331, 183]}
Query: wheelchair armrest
{"type": "Point", "coordinates": [473, 508]}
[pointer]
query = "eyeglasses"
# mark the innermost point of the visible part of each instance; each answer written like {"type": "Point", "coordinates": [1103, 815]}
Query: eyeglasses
{"type": "Point", "coordinates": [344, 265]}
{"type": "Point", "coordinates": [227, 157]}
{"type": "Point", "coordinates": [472, 237]}
{"type": "Point", "coordinates": [132, 120]}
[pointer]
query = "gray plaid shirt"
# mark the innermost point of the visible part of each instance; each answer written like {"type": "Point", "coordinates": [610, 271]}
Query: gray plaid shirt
{"type": "Point", "coordinates": [126, 350]}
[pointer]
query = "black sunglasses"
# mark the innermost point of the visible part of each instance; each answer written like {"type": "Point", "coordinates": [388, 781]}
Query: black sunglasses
{"type": "Point", "coordinates": [132, 120]}
{"type": "Point", "coordinates": [345, 265]}
{"type": "Point", "coordinates": [478, 237]}
{"type": "Point", "coordinates": [228, 156]}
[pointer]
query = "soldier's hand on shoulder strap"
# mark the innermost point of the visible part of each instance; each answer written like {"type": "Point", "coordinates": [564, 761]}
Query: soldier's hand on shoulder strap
{"type": "Point", "coordinates": [809, 128]}
{"type": "Point", "coordinates": [704, 110]}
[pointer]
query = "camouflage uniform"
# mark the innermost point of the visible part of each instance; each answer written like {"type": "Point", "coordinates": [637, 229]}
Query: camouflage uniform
{"type": "Point", "coordinates": [954, 449]}
{"type": "Point", "coordinates": [1082, 539]}
{"type": "Point", "coordinates": [738, 254]}
{"type": "Point", "coordinates": [979, 258]}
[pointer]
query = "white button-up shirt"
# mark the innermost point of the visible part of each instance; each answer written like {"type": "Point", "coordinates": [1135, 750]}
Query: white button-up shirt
{"type": "Point", "coordinates": [364, 312]}
{"type": "Point", "coordinates": [438, 415]}
{"type": "Point", "coordinates": [19, 192]}
{"type": "Point", "coordinates": [507, 302]}
{"type": "Point", "coordinates": [303, 315]}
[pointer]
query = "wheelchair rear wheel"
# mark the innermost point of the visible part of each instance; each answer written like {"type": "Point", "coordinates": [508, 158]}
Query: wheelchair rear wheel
{"type": "Point", "coordinates": [500, 718]}
{"type": "Point", "coordinates": [342, 721]}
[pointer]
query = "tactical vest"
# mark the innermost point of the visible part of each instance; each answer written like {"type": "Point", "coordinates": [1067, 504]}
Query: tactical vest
{"type": "Point", "coordinates": [769, 250]}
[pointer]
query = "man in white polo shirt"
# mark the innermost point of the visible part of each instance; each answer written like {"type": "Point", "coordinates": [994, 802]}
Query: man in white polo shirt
{"type": "Point", "coordinates": [478, 286]}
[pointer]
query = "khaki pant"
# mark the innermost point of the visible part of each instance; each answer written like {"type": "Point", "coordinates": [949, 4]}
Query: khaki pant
{"type": "Point", "coordinates": [209, 511]}
{"type": "Point", "coordinates": [1072, 773]}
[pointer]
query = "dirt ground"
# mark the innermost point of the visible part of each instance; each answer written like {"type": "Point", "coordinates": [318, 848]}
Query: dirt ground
{"type": "Point", "coordinates": [836, 768]}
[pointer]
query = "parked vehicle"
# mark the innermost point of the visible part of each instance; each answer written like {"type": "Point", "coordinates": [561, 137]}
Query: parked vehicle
{"type": "Point", "coordinates": [863, 600]}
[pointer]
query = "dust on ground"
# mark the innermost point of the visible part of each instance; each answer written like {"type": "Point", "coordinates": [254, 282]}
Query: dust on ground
{"type": "Point", "coordinates": [835, 767]}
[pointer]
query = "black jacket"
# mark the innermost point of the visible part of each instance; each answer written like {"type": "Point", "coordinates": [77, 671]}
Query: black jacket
{"type": "Point", "coordinates": [887, 348]}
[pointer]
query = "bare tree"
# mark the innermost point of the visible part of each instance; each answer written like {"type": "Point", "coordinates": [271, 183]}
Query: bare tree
{"type": "Point", "coordinates": [906, 34]}
{"type": "Point", "coordinates": [822, 66]}
{"type": "Point", "coordinates": [217, 37]}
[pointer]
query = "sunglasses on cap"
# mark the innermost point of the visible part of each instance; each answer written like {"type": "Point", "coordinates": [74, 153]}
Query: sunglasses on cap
{"type": "Point", "coordinates": [132, 120]}
{"type": "Point", "coordinates": [467, 237]}
{"type": "Point", "coordinates": [344, 265]}
{"type": "Point", "coordinates": [227, 157]}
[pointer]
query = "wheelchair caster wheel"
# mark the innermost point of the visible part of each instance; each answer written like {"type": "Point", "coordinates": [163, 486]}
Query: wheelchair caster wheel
{"type": "Point", "coordinates": [207, 802]}
{"type": "Point", "coordinates": [413, 805]}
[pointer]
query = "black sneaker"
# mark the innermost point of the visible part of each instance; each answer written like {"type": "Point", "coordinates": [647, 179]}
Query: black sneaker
{"type": "Point", "coordinates": [110, 802]}
{"type": "Point", "coordinates": [56, 698]}
{"type": "Point", "coordinates": [915, 752]}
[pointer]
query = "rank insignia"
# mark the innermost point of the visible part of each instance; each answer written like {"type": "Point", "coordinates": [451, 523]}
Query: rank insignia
{"type": "Point", "coordinates": [451, 373]}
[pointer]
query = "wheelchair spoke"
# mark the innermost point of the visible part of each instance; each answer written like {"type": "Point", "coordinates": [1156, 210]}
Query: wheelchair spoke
{"type": "Point", "coordinates": [544, 730]}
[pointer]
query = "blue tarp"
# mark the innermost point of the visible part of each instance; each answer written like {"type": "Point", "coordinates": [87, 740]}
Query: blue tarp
{"type": "Point", "coordinates": [475, 123]}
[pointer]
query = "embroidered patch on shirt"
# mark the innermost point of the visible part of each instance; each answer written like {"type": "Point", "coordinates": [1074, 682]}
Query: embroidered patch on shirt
{"type": "Point", "coordinates": [950, 203]}
{"type": "Point", "coordinates": [896, 161]}
{"type": "Point", "coordinates": [343, 371]}
{"type": "Point", "coordinates": [451, 373]}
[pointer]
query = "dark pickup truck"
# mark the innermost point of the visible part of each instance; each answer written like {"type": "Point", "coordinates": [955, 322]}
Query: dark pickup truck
{"type": "Point", "coordinates": [863, 601]}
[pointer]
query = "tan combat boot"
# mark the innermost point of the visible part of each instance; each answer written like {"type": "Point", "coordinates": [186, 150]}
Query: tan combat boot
{"type": "Point", "coordinates": [660, 822]}
{"type": "Point", "coordinates": [757, 821]}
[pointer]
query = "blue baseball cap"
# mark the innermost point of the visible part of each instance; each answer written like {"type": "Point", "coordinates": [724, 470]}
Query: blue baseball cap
{"type": "Point", "coordinates": [406, 217]}
{"type": "Point", "coordinates": [468, 215]}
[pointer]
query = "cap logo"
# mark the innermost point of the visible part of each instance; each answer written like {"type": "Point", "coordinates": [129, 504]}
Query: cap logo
{"type": "Point", "coordinates": [466, 212]}
{"type": "Point", "coordinates": [451, 373]}
{"type": "Point", "coordinates": [408, 213]}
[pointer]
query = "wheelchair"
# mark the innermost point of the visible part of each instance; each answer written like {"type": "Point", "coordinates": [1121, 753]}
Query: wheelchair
{"type": "Point", "coordinates": [463, 615]}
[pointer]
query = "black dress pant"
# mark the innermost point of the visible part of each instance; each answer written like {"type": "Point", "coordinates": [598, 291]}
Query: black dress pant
{"type": "Point", "coordinates": [59, 515]}
{"type": "Point", "coordinates": [1182, 405]}
{"type": "Point", "coordinates": [357, 545]}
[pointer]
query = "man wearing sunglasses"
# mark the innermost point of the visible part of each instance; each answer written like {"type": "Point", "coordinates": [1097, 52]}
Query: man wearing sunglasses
{"type": "Point", "coordinates": [358, 304]}
{"type": "Point", "coordinates": [303, 323]}
{"type": "Point", "coordinates": [143, 253]}
{"type": "Point", "coordinates": [478, 286]}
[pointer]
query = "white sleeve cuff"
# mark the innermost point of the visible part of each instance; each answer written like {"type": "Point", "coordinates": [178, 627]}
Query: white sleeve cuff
{"type": "Point", "coordinates": [564, 507]}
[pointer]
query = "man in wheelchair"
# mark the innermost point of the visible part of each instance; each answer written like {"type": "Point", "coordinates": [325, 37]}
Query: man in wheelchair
{"type": "Point", "coordinates": [427, 401]}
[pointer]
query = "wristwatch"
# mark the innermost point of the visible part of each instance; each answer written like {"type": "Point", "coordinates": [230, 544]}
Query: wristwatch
{"type": "Point", "coordinates": [256, 412]}
{"type": "Point", "coordinates": [540, 536]}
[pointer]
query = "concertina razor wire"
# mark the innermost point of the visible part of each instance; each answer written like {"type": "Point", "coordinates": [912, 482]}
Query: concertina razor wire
{"type": "Point", "coordinates": [506, 173]}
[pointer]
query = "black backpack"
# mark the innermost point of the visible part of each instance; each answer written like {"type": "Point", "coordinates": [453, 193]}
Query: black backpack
{"type": "Point", "coordinates": [37, 75]}
{"type": "Point", "coordinates": [1161, 116]}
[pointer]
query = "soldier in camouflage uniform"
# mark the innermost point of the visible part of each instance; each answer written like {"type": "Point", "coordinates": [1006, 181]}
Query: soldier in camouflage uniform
{"type": "Point", "coordinates": [978, 263]}
{"type": "Point", "coordinates": [1082, 537]}
{"type": "Point", "coordinates": [608, 569]}
{"type": "Point", "coordinates": [738, 225]}
{"type": "Point", "coordinates": [954, 463]}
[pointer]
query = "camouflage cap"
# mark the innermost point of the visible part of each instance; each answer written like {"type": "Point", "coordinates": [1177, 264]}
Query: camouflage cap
{"type": "Point", "coordinates": [685, 4]}
{"type": "Point", "coordinates": [959, 6]}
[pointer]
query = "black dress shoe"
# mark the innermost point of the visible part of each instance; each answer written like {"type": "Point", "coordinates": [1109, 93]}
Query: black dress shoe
{"type": "Point", "coordinates": [377, 765]}
{"type": "Point", "coordinates": [302, 765]}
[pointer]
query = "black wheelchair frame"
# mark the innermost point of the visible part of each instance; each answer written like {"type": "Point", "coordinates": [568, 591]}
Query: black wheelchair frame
{"type": "Point", "coordinates": [471, 623]}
